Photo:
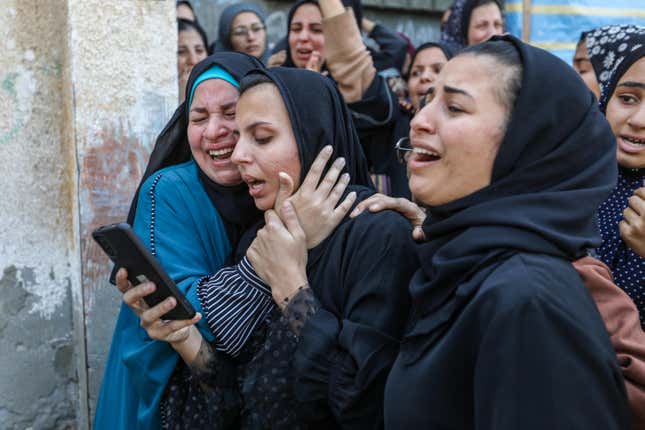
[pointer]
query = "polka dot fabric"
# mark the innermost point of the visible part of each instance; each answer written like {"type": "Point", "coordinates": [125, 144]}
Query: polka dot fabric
{"type": "Point", "coordinates": [627, 266]}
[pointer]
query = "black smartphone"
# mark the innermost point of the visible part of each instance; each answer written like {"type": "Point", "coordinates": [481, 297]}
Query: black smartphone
{"type": "Point", "coordinates": [125, 249]}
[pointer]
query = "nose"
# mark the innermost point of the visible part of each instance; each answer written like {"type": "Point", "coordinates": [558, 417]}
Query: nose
{"type": "Point", "coordinates": [216, 129]}
{"type": "Point", "coordinates": [303, 35]}
{"type": "Point", "coordinates": [192, 58]}
{"type": "Point", "coordinates": [426, 75]}
{"type": "Point", "coordinates": [637, 120]}
{"type": "Point", "coordinates": [424, 122]}
{"type": "Point", "coordinates": [240, 154]}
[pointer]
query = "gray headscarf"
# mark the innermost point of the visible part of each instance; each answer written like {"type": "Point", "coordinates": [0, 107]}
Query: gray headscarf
{"type": "Point", "coordinates": [226, 26]}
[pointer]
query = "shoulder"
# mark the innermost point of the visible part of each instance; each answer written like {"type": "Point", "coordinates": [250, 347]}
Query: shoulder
{"type": "Point", "coordinates": [168, 178]}
{"type": "Point", "coordinates": [382, 231]}
{"type": "Point", "coordinates": [533, 281]}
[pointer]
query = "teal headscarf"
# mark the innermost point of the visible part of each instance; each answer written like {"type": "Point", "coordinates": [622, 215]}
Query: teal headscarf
{"type": "Point", "coordinates": [215, 72]}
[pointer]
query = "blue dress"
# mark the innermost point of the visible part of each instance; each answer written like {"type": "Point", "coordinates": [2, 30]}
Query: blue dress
{"type": "Point", "coordinates": [177, 221]}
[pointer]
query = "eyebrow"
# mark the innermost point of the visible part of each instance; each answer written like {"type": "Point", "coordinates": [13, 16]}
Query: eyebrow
{"type": "Point", "coordinates": [225, 106]}
{"type": "Point", "coordinates": [256, 124]}
{"type": "Point", "coordinates": [632, 84]}
{"type": "Point", "coordinates": [453, 90]}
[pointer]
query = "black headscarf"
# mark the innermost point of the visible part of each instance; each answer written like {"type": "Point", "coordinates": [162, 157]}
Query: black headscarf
{"type": "Point", "coordinates": [234, 204]}
{"type": "Point", "coordinates": [555, 165]}
{"type": "Point", "coordinates": [225, 27]}
{"type": "Point", "coordinates": [466, 13]}
{"type": "Point", "coordinates": [445, 48]}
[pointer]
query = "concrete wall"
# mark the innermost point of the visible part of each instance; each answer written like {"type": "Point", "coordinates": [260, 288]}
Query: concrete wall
{"type": "Point", "coordinates": [85, 86]}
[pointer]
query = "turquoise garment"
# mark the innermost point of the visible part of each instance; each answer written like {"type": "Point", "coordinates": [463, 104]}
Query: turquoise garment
{"type": "Point", "coordinates": [179, 224]}
{"type": "Point", "coordinates": [215, 72]}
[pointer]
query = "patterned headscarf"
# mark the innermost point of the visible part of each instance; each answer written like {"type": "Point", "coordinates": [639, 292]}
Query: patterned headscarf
{"type": "Point", "coordinates": [452, 32]}
{"type": "Point", "coordinates": [612, 51]}
{"type": "Point", "coordinates": [608, 47]}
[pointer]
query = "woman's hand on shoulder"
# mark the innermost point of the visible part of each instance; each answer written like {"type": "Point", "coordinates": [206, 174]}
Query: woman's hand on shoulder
{"type": "Point", "coordinates": [632, 227]}
{"type": "Point", "coordinates": [279, 254]}
{"type": "Point", "coordinates": [379, 202]}
{"type": "Point", "coordinates": [317, 202]}
{"type": "Point", "coordinates": [173, 332]}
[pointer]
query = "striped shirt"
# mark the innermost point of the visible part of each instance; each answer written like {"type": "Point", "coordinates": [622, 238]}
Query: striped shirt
{"type": "Point", "coordinates": [235, 300]}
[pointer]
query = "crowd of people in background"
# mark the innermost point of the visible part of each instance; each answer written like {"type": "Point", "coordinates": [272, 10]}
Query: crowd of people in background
{"type": "Point", "coordinates": [377, 235]}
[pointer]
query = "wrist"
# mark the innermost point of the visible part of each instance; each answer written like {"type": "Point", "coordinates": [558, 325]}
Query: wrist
{"type": "Point", "coordinates": [188, 347]}
{"type": "Point", "coordinates": [282, 295]}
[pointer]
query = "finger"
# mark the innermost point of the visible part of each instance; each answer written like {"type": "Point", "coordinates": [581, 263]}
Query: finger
{"type": "Point", "coordinates": [637, 204]}
{"type": "Point", "coordinates": [418, 234]}
{"type": "Point", "coordinates": [315, 171]}
{"type": "Point", "coordinates": [122, 282]}
{"type": "Point", "coordinates": [342, 209]}
{"type": "Point", "coordinates": [155, 313]}
{"type": "Point", "coordinates": [167, 328]}
{"type": "Point", "coordinates": [331, 177]}
{"type": "Point", "coordinates": [339, 189]}
{"type": "Point", "coordinates": [375, 199]}
{"type": "Point", "coordinates": [291, 221]}
{"type": "Point", "coordinates": [274, 223]}
{"type": "Point", "coordinates": [285, 189]}
{"type": "Point", "coordinates": [630, 215]}
{"type": "Point", "coordinates": [135, 295]}
{"type": "Point", "coordinates": [640, 192]}
{"type": "Point", "coordinates": [625, 230]}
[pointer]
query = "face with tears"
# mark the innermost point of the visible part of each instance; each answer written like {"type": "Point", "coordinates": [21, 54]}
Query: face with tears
{"type": "Point", "coordinates": [211, 122]}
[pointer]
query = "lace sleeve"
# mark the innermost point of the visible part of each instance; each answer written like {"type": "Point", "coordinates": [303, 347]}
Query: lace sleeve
{"type": "Point", "coordinates": [302, 306]}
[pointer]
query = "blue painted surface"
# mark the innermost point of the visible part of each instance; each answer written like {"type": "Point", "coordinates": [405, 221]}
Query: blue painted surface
{"type": "Point", "coordinates": [566, 28]}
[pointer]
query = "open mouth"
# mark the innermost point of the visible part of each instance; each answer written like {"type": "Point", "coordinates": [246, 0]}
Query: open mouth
{"type": "Point", "coordinates": [423, 155]}
{"type": "Point", "coordinates": [633, 140]}
{"type": "Point", "coordinates": [304, 52]}
{"type": "Point", "coordinates": [221, 154]}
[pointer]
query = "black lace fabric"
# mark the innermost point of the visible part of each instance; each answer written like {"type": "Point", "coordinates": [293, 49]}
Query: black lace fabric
{"type": "Point", "coordinates": [302, 306]}
{"type": "Point", "coordinates": [252, 391]}
{"type": "Point", "coordinates": [200, 400]}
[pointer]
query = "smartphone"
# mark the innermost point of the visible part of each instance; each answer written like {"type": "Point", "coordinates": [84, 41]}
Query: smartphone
{"type": "Point", "coordinates": [125, 249]}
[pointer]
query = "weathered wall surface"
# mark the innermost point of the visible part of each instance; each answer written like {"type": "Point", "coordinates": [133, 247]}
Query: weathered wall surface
{"type": "Point", "coordinates": [85, 86]}
{"type": "Point", "coordinates": [39, 384]}
{"type": "Point", "coordinates": [124, 73]}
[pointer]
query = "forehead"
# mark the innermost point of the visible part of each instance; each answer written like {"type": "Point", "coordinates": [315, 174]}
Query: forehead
{"type": "Point", "coordinates": [474, 74]}
{"type": "Point", "coordinates": [430, 56]}
{"type": "Point", "coordinates": [307, 13]}
{"type": "Point", "coordinates": [245, 18]}
{"type": "Point", "coordinates": [189, 37]}
{"type": "Point", "coordinates": [581, 50]}
{"type": "Point", "coordinates": [486, 11]}
{"type": "Point", "coordinates": [214, 92]}
{"type": "Point", "coordinates": [635, 73]}
{"type": "Point", "coordinates": [262, 103]}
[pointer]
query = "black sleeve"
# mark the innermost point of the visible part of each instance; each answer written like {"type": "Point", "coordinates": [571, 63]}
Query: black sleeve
{"type": "Point", "coordinates": [569, 379]}
{"type": "Point", "coordinates": [393, 48]}
{"type": "Point", "coordinates": [343, 359]}
{"type": "Point", "coordinates": [377, 108]}
{"type": "Point", "coordinates": [209, 399]}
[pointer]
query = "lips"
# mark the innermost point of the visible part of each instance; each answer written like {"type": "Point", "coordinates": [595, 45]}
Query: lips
{"type": "Point", "coordinates": [256, 186]}
{"type": "Point", "coordinates": [631, 144]}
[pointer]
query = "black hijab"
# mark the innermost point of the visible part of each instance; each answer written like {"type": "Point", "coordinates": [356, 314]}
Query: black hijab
{"type": "Point", "coordinates": [467, 12]}
{"type": "Point", "coordinates": [319, 117]}
{"type": "Point", "coordinates": [234, 204]}
{"type": "Point", "coordinates": [555, 165]}
{"type": "Point", "coordinates": [445, 48]}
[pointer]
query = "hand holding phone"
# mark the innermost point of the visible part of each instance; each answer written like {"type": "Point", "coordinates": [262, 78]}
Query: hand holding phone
{"type": "Point", "coordinates": [126, 250]}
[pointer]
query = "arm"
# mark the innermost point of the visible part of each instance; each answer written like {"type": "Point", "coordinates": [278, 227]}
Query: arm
{"type": "Point", "coordinates": [343, 356]}
{"type": "Point", "coordinates": [392, 46]}
{"type": "Point", "coordinates": [347, 58]}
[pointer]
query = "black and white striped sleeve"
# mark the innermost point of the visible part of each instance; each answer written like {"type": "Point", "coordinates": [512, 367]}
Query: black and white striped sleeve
{"type": "Point", "coordinates": [235, 301]}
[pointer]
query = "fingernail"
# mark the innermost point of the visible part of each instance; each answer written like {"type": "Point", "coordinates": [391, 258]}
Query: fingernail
{"type": "Point", "coordinates": [345, 177]}
{"type": "Point", "coordinates": [356, 211]}
{"type": "Point", "coordinates": [170, 302]}
{"type": "Point", "coordinates": [148, 287]}
{"type": "Point", "coordinates": [328, 149]}
{"type": "Point", "coordinates": [341, 161]}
